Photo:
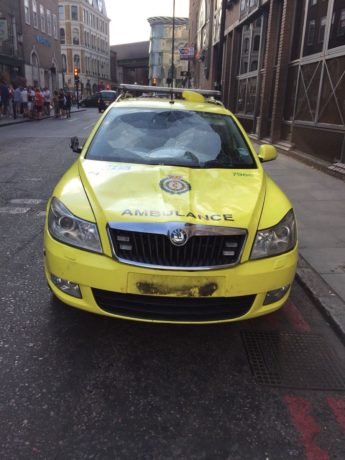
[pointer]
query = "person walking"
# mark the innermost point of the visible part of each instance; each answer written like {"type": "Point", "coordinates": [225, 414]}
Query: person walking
{"type": "Point", "coordinates": [68, 104]}
{"type": "Point", "coordinates": [61, 103]}
{"type": "Point", "coordinates": [38, 103]}
{"type": "Point", "coordinates": [25, 102]}
{"type": "Point", "coordinates": [5, 97]}
{"type": "Point", "coordinates": [47, 100]}
{"type": "Point", "coordinates": [17, 101]}
{"type": "Point", "coordinates": [56, 104]}
{"type": "Point", "coordinates": [31, 102]}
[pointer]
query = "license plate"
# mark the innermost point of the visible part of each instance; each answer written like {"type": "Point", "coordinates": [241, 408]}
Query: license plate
{"type": "Point", "coordinates": [176, 286]}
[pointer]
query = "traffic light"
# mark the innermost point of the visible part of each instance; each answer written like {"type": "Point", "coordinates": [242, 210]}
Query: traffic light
{"type": "Point", "coordinates": [76, 74]}
{"type": "Point", "coordinates": [154, 81]}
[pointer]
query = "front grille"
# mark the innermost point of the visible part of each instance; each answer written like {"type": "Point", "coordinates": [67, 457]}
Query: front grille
{"type": "Point", "coordinates": [202, 251]}
{"type": "Point", "coordinates": [176, 309]}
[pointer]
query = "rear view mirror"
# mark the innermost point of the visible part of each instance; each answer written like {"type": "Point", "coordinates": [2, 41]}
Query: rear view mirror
{"type": "Point", "coordinates": [75, 145]}
{"type": "Point", "coordinates": [267, 153]}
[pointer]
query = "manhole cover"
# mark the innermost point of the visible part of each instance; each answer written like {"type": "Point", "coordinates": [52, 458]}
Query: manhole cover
{"type": "Point", "coordinates": [301, 361]}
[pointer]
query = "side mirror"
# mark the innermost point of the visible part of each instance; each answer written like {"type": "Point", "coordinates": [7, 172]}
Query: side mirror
{"type": "Point", "coordinates": [75, 145]}
{"type": "Point", "coordinates": [267, 153]}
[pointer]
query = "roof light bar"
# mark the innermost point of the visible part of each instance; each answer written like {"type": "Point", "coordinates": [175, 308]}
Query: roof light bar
{"type": "Point", "coordinates": [163, 89]}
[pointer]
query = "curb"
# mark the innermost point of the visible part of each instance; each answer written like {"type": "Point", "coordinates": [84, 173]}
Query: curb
{"type": "Point", "coordinates": [19, 122]}
{"type": "Point", "coordinates": [328, 302]}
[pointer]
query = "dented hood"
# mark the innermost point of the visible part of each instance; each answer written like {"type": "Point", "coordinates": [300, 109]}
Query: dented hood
{"type": "Point", "coordinates": [142, 193]}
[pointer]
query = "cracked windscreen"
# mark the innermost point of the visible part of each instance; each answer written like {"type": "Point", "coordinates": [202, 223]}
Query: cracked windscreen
{"type": "Point", "coordinates": [170, 137]}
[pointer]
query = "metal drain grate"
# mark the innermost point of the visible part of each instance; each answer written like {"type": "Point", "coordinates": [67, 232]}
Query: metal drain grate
{"type": "Point", "coordinates": [301, 361]}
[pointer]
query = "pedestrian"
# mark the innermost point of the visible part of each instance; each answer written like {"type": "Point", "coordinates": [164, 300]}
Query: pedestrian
{"type": "Point", "coordinates": [31, 100]}
{"type": "Point", "coordinates": [56, 104]}
{"type": "Point", "coordinates": [5, 97]}
{"type": "Point", "coordinates": [25, 102]}
{"type": "Point", "coordinates": [17, 101]}
{"type": "Point", "coordinates": [61, 103]}
{"type": "Point", "coordinates": [47, 100]}
{"type": "Point", "coordinates": [68, 104]}
{"type": "Point", "coordinates": [38, 102]}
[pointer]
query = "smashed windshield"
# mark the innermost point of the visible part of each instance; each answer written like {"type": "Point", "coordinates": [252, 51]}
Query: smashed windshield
{"type": "Point", "coordinates": [170, 137]}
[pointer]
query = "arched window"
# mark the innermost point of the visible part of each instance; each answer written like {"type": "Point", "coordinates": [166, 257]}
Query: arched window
{"type": "Point", "coordinates": [62, 36]}
{"type": "Point", "coordinates": [76, 61]}
{"type": "Point", "coordinates": [35, 69]}
{"type": "Point", "coordinates": [64, 62]}
{"type": "Point", "coordinates": [75, 34]}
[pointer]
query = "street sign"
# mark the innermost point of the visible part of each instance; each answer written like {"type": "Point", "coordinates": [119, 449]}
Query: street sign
{"type": "Point", "coordinates": [186, 53]}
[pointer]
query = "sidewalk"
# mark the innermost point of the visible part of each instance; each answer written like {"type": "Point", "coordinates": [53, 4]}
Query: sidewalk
{"type": "Point", "coordinates": [10, 121]}
{"type": "Point", "coordinates": [319, 202]}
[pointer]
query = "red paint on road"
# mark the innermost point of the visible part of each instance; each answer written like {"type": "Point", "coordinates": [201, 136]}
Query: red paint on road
{"type": "Point", "coordinates": [295, 317]}
{"type": "Point", "coordinates": [306, 426]}
{"type": "Point", "coordinates": [338, 408]}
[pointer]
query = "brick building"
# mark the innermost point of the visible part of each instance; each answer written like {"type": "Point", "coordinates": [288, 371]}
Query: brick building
{"type": "Point", "coordinates": [84, 39]}
{"type": "Point", "coordinates": [280, 65]}
{"type": "Point", "coordinates": [11, 41]}
{"type": "Point", "coordinates": [41, 47]}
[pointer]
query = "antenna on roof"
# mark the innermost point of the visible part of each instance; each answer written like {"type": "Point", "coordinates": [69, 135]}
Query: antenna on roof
{"type": "Point", "coordinates": [173, 49]}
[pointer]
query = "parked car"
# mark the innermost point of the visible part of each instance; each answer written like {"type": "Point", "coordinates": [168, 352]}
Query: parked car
{"type": "Point", "coordinates": [106, 97]}
{"type": "Point", "coordinates": [168, 216]}
{"type": "Point", "coordinates": [90, 101]}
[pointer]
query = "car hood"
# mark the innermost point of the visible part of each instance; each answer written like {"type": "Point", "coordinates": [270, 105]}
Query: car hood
{"type": "Point", "coordinates": [141, 193]}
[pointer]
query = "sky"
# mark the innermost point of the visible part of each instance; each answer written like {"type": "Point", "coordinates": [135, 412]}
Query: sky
{"type": "Point", "coordinates": [129, 17]}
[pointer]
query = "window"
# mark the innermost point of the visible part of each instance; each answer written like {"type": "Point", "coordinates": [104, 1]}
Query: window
{"type": "Point", "coordinates": [75, 35]}
{"type": "Point", "coordinates": [322, 29]}
{"type": "Point", "coordinates": [34, 14]}
{"type": "Point", "coordinates": [49, 23]}
{"type": "Point", "coordinates": [311, 32]}
{"type": "Point", "coordinates": [202, 28]}
{"type": "Point", "coordinates": [337, 34]}
{"type": "Point", "coordinates": [27, 11]}
{"type": "Point", "coordinates": [61, 13]}
{"type": "Point", "coordinates": [35, 69]}
{"type": "Point", "coordinates": [62, 36]}
{"type": "Point", "coordinates": [55, 26]}
{"type": "Point", "coordinates": [315, 27]}
{"type": "Point", "coordinates": [74, 13]}
{"type": "Point", "coordinates": [214, 139]}
{"type": "Point", "coordinates": [341, 26]}
{"type": "Point", "coordinates": [251, 41]}
{"type": "Point", "coordinates": [43, 18]}
{"type": "Point", "coordinates": [64, 62]}
{"type": "Point", "coordinates": [76, 61]}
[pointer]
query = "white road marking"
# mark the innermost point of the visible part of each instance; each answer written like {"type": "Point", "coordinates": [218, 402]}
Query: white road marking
{"type": "Point", "coordinates": [9, 210]}
{"type": "Point", "coordinates": [41, 214]}
{"type": "Point", "coordinates": [26, 201]}
{"type": "Point", "coordinates": [89, 126]}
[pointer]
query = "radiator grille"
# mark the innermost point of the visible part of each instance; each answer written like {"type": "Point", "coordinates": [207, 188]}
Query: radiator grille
{"type": "Point", "coordinates": [176, 309]}
{"type": "Point", "coordinates": [155, 249]}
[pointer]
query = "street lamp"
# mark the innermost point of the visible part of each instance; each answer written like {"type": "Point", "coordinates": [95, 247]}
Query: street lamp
{"type": "Point", "coordinates": [173, 47]}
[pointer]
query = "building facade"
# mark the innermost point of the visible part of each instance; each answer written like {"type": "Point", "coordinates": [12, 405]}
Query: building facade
{"type": "Point", "coordinates": [280, 65]}
{"type": "Point", "coordinates": [11, 41]}
{"type": "Point", "coordinates": [160, 61]}
{"type": "Point", "coordinates": [84, 39]}
{"type": "Point", "coordinates": [41, 47]}
{"type": "Point", "coordinates": [132, 63]}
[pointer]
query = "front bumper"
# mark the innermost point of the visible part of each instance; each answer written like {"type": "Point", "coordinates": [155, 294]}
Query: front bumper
{"type": "Point", "coordinates": [124, 291]}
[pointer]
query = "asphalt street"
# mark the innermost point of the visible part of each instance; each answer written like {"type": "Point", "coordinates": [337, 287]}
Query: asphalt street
{"type": "Point", "coordinates": [78, 386]}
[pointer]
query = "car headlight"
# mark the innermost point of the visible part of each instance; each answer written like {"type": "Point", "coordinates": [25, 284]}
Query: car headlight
{"type": "Point", "coordinates": [71, 230]}
{"type": "Point", "coordinates": [276, 240]}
